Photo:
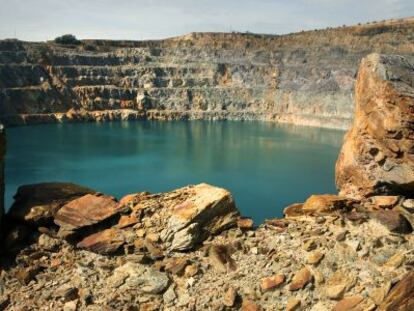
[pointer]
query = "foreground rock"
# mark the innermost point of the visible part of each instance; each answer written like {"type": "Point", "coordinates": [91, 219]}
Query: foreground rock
{"type": "Point", "coordinates": [401, 297]}
{"type": "Point", "coordinates": [85, 212]}
{"type": "Point", "coordinates": [37, 204]}
{"type": "Point", "coordinates": [297, 263]}
{"type": "Point", "coordinates": [377, 155]}
{"type": "Point", "coordinates": [157, 223]}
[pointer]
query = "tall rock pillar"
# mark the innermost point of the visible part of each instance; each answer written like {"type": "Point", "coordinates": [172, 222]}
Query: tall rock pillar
{"type": "Point", "coordinates": [378, 153]}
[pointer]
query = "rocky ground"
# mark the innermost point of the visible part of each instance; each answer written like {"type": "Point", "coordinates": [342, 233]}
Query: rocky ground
{"type": "Point", "coordinates": [329, 254]}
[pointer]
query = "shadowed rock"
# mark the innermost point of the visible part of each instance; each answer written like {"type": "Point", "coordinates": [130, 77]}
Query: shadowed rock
{"type": "Point", "coordinates": [37, 204]}
{"type": "Point", "coordinates": [401, 297]}
{"type": "Point", "coordinates": [105, 242]}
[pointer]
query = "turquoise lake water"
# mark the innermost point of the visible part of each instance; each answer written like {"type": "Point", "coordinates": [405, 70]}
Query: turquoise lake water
{"type": "Point", "coordinates": [266, 166]}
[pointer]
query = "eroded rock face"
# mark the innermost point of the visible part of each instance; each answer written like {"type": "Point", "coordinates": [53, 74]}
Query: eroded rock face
{"type": "Point", "coordinates": [2, 154]}
{"type": "Point", "coordinates": [37, 204]}
{"type": "Point", "coordinates": [304, 78]}
{"type": "Point", "coordinates": [378, 152]}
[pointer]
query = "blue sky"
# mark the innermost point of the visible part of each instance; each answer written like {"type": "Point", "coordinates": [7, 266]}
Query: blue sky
{"type": "Point", "coordinates": [151, 19]}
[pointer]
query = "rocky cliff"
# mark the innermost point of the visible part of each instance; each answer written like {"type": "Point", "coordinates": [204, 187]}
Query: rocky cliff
{"type": "Point", "coordinates": [378, 153]}
{"type": "Point", "coordinates": [305, 78]}
{"type": "Point", "coordinates": [2, 184]}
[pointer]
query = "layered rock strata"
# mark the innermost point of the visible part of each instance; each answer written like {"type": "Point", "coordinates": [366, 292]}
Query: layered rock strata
{"type": "Point", "coordinates": [377, 156]}
{"type": "Point", "coordinates": [2, 184]}
{"type": "Point", "coordinates": [305, 78]}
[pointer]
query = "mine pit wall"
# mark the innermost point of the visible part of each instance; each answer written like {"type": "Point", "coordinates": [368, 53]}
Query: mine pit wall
{"type": "Point", "coordinates": [304, 78]}
{"type": "Point", "coordinates": [2, 183]}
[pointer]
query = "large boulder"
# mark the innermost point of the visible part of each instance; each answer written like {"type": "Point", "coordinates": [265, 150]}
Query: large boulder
{"type": "Point", "coordinates": [378, 152]}
{"type": "Point", "coordinates": [164, 222]}
{"type": "Point", "coordinates": [37, 204]}
{"type": "Point", "coordinates": [86, 214]}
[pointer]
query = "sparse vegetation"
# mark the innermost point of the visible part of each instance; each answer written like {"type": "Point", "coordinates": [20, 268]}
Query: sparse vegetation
{"type": "Point", "coordinates": [67, 39]}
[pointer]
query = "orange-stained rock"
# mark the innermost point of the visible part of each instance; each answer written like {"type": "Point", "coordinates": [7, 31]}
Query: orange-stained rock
{"type": "Point", "coordinates": [292, 304]}
{"type": "Point", "coordinates": [206, 210]}
{"type": "Point", "coordinates": [293, 210]}
{"type": "Point", "coordinates": [105, 242]}
{"type": "Point", "coordinates": [176, 265]}
{"type": "Point", "coordinates": [249, 305]}
{"type": "Point", "coordinates": [349, 304]}
{"type": "Point", "coordinates": [300, 279]}
{"type": "Point", "coordinates": [126, 221]}
{"type": "Point", "coordinates": [230, 297]}
{"type": "Point", "coordinates": [85, 211]}
{"type": "Point", "coordinates": [401, 296]}
{"type": "Point", "coordinates": [377, 155]}
{"type": "Point", "coordinates": [272, 282]}
{"type": "Point", "coordinates": [245, 223]}
{"type": "Point", "coordinates": [38, 203]}
{"type": "Point", "coordinates": [326, 203]}
{"type": "Point", "coordinates": [385, 201]}
{"type": "Point", "coordinates": [131, 200]}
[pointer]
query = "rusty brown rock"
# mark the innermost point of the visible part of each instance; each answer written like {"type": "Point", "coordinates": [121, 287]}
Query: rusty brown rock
{"type": "Point", "coordinates": [105, 242]}
{"type": "Point", "coordinates": [393, 220]}
{"type": "Point", "coordinates": [206, 211]}
{"type": "Point", "coordinates": [176, 265]}
{"type": "Point", "coordinates": [249, 305]}
{"type": "Point", "coordinates": [230, 297]}
{"type": "Point", "coordinates": [154, 250]}
{"type": "Point", "coordinates": [293, 210]}
{"type": "Point", "coordinates": [401, 296]}
{"type": "Point", "coordinates": [37, 204]}
{"type": "Point", "coordinates": [327, 203]}
{"type": "Point", "coordinates": [349, 304]}
{"type": "Point", "coordinates": [385, 201]}
{"type": "Point", "coordinates": [191, 270]}
{"type": "Point", "coordinates": [292, 304]}
{"type": "Point", "coordinates": [271, 282]}
{"type": "Point", "coordinates": [245, 223]}
{"type": "Point", "coordinates": [339, 283]}
{"type": "Point", "coordinates": [220, 258]}
{"type": "Point", "coordinates": [131, 200]}
{"type": "Point", "coordinates": [377, 155]}
{"type": "Point", "coordinates": [300, 279]}
{"type": "Point", "coordinates": [127, 221]}
{"type": "Point", "coordinates": [25, 275]}
{"type": "Point", "coordinates": [315, 257]}
{"type": "Point", "coordinates": [86, 211]}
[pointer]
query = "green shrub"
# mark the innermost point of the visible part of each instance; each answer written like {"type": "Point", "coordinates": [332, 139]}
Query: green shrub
{"type": "Point", "coordinates": [67, 39]}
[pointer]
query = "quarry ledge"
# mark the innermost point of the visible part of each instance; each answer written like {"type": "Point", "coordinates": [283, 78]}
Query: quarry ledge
{"type": "Point", "coordinates": [173, 115]}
